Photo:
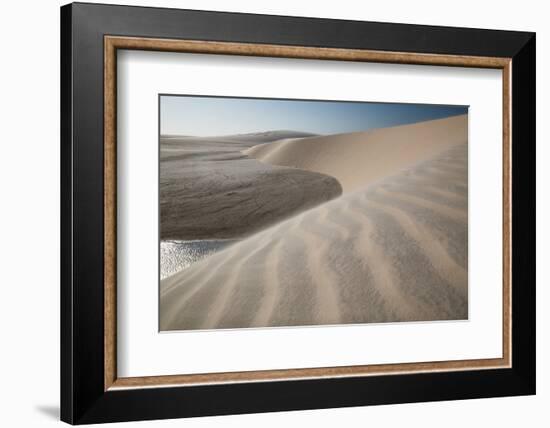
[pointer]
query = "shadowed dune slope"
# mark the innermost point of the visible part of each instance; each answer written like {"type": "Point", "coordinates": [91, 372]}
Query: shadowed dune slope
{"type": "Point", "coordinates": [210, 190]}
{"type": "Point", "coordinates": [395, 250]}
{"type": "Point", "coordinates": [359, 158]}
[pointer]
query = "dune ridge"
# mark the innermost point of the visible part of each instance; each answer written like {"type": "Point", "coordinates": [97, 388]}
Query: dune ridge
{"type": "Point", "coordinates": [359, 158]}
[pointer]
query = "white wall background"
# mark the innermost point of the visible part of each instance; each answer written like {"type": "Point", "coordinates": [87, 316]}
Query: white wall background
{"type": "Point", "coordinates": [29, 218]}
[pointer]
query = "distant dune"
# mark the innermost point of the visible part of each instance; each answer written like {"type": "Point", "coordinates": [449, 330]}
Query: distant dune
{"type": "Point", "coordinates": [392, 248]}
{"type": "Point", "coordinates": [357, 159]}
{"type": "Point", "coordinates": [267, 136]}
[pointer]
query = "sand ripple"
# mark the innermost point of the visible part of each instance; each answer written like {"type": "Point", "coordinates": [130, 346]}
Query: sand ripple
{"type": "Point", "coordinates": [394, 250]}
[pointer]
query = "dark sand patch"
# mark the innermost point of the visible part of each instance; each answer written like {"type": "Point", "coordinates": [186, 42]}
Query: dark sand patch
{"type": "Point", "coordinates": [210, 190]}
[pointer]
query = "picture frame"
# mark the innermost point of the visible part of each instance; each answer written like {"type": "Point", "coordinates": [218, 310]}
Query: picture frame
{"type": "Point", "coordinates": [91, 390]}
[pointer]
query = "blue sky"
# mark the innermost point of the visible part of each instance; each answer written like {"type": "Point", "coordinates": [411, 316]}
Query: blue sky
{"type": "Point", "coordinates": [216, 116]}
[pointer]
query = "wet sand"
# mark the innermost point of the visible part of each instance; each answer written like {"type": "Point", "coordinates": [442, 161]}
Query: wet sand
{"type": "Point", "coordinates": [209, 189]}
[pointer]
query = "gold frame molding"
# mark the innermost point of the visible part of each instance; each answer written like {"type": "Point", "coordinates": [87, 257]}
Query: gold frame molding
{"type": "Point", "coordinates": [113, 43]}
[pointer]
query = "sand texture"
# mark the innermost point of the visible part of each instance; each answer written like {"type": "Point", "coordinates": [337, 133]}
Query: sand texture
{"type": "Point", "coordinates": [391, 249]}
{"type": "Point", "coordinates": [209, 189]}
{"type": "Point", "coordinates": [359, 158]}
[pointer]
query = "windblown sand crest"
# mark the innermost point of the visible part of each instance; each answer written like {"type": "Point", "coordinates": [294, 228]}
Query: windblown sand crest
{"type": "Point", "coordinates": [359, 158]}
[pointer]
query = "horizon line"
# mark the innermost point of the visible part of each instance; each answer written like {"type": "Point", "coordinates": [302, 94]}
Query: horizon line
{"type": "Point", "coordinates": [304, 132]}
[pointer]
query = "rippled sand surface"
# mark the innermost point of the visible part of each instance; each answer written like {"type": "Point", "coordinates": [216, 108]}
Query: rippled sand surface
{"type": "Point", "coordinates": [392, 250]}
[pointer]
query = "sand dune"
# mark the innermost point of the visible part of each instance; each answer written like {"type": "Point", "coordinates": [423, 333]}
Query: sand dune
{"type": "Point", "coordinates": [357, 159]}
{"type": "Point", "coordinates": [392, 250]}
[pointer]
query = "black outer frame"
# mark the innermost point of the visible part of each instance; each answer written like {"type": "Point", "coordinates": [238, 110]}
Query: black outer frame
{"type": "Point", "coordinates": [83, 399]}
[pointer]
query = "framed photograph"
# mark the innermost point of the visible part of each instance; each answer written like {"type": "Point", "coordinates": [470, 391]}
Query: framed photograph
{"type": "Point", "coordinates": [265, 213]}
